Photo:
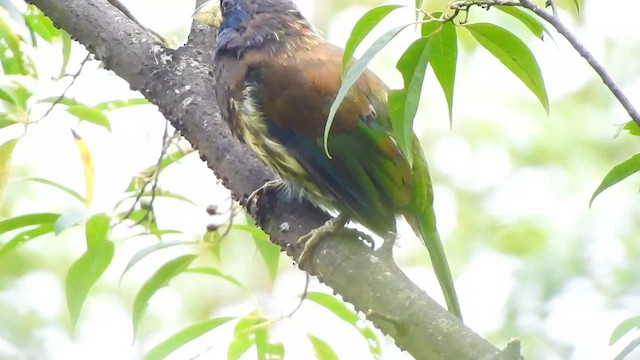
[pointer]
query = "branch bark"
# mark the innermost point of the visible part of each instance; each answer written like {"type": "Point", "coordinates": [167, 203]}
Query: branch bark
{"type": "Point", "coordinates": [179, 83]}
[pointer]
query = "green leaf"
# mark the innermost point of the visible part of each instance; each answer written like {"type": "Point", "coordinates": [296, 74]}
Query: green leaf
{"type": "Point", "coordinates": [362, 28]}
{"type": "Point", "coordinates": [632, 128]}
{"type": "Point", "coordinates": [90, 114]}
{"type": "Point", "coordinates": [6, 152]}
{"type": "Point", "coordinates": [61, 100]}
{"type": "Point", "coordinates": [25, 236]}
{"type": "Point", "coordinates": [158, 280]}
{"type": "Point", "coordinates": [403, 104]}
{"type": "Point", "coordinates": [5, 94]}
{"type": "Point", "coordinates": [139, 181]}
{"type": "Point", "coordinates": [17, 95]}
{"type": "Point", "coordinates": [7, 120]}
{"type": "Point", "coordinates": [322, 349]}
{"type": "Point", "coordinates": [269, 251]}
{"type": "Point", "coordinates": [118, 104]}
{"type": "Point", "coordinates": [530, 21]}
{"type": "Point", "coordinates": [66, 52]}
{"type": "Point", "coordinates": [70, 219]}
{"type": "Point", "coordinates": [578, 4]}
{"type": "Point", "coordinates": [238, 347]}
{"type": "Point", "coordinates": [158, 194]}
{"type": "Point", "coordinates": [514, 54]}
{"type": "Point", "coordinates": [443, 58]}
{"type": "Point", "coordinates": [217, 273]}
{"type": "Point", "coordinates": [182, 337]}
{"type": "Point", "coordinates": [617, 174]}
{"type": "Point", "coordinates": [58, 186]}
{"type": "Point", "coordinates": [353, 74]}
{"type": "Point", "coordinates": [85, 271]}
{"type": "Point", "coordinates": [343, 312]}
{"type": "Point", "coordinates": [38, 23]}
{"type": "Point", "coordinates": [246, 334]}
{"type": "Point", "coordinates": [146, 251]}
{"type": "Point", "coordinates": [12, 58]}
{"type": "Point", "coordinates": [27, 220]}
{"type": "Point", "coordinates": [623, 328]}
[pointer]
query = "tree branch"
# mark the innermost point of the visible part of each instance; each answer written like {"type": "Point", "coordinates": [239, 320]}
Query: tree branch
{"type": "Point", "coordinates": [180, 84]}
{"type": "Point", "coordinates": [552, 18]}
{"type": "Point", "coordinates": [582, 50]}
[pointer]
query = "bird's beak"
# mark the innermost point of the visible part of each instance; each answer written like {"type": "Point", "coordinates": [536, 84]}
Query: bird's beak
{"type": "Point", "coordinates": [209, 14]}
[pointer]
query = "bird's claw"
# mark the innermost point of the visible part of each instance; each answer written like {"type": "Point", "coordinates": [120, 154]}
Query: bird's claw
{"type": "Point", "coordinates": [334, 226]}
{"type": "Point", "coordinates": [270, 185]}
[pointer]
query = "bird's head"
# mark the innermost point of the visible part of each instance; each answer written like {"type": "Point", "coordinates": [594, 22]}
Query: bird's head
{"type": "Point", "coordinates": [246, 24]}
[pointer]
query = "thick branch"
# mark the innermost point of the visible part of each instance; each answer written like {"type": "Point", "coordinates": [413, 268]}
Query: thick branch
{"type": "Point", "coordinates": [180, 84]}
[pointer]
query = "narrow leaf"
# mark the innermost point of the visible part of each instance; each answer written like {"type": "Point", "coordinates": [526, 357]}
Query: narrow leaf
{"type": "Point", "coordinates": [57, 186]}
{"type": "Point", "coordinates": [182, 337]}
{"type": "Point", "coordinates": [244, 335]}
{"type": "Point", "coordinates": [13, 61]}
{"type": "Point", "coordinates": [70, 219]}
{"type": "Point", "coordinates": [6, 151]}
{"type": "Point", "coordinates": [322, 349]}
{"type": "Point", "coordinates": [217, 273]}
{"type": "Point", "coordinates": [146, 251]}
{"type": "Point", "coordinates": [443, 58]}
{"type": "Point", "coordinates": [158, 280]}
{"type": "Point", "coordinates": [353, 74]}
{"type": "Point", "coordinates": [61, 100]}
{"type": "Point", "coordinates": [87, 166]}
{"type": "Point", "coordinates": [269, 251]}
{"type": "Point", "coordinates": [403, 104]}
{"type": "Point", "coordinates": [90, 114]}
{"type": "Point", "coordinates": [514, 54]}
{"type": "Point", "coordinates": [138, 181]}
{"type": "Point", "coordinates": [578, 4]}
{"type": "Point", "coordinates": [85, 271]}
{"type": "Point", "coordinates": [623, 328]}
{"type": "Point", "coordinates": [632, 128]}
{"type": "Point", "coordinates": [27, 220]}
{"type": "Point", "coordinates": [118, 104]}
{"type": "Point", "coordinates": [38, 23]}
{"type": "Point", "coordinates": [362, 28]}
{"type": "Point", "coordinates": [25, 236]}
{"type": "Point", "coordinates": [343, 312]}
{"type": "Point", "coordinates": [617, 174]}
{"type": "Point", "coordinates": [66, 52]}
{"type": "Point", "coordinates": [530, 21]}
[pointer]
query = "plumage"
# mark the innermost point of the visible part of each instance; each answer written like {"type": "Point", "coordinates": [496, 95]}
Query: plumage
{"type": "Point", "coordinates": [276, 80]}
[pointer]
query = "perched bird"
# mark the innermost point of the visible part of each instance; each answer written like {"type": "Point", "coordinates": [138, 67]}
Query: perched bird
{"type": "Point", "coordinates": [276, 80]}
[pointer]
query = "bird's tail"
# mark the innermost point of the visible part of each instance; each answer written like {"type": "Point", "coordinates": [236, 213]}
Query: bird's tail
{"type": "Point", "coordinates": [421, 217]}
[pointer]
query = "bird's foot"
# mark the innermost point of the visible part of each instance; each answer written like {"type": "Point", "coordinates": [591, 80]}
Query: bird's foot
{"type": "Point", "coordinates": [334, 226]}
{"type": "Point", "coordinates": [271, 185]}
{"type": "Point", "coordinates": [388, 243]}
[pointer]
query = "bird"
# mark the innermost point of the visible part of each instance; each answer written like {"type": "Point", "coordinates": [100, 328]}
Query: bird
{"type": "Point", "coordinates": [276, 79]}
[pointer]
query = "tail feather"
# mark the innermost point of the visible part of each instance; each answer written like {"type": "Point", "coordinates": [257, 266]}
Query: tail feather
{"type": "Point", "coordinates": [421, 217]}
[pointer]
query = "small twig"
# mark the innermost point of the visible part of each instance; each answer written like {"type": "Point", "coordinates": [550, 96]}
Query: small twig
{"type": "Point", "coordinates": [628, 349]}
{"type": "Point", "coordinates": [152, 179]}
{"type": "Point", "coordinates": [304, 295]}
{"type": "Point", "coordinates": [64, 92]}
{"type": "Point", "coordinates": [123, 9]}
{"type": "Point", "coordinates": [552, 5]}
{"type": "Point", "coordinates": [582, 50]}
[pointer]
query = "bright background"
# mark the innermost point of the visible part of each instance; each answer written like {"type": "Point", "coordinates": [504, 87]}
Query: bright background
{"type": "Point", "coordinates": [531, 260]}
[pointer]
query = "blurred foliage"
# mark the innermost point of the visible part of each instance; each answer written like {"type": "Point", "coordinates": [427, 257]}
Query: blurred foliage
{"type": "Point", "coordinates": [54, 236]}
